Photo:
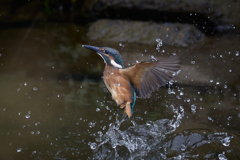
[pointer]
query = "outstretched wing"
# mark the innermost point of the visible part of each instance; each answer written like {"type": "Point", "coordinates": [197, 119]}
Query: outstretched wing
{"type": "Point", "coordinates": [150, 75]}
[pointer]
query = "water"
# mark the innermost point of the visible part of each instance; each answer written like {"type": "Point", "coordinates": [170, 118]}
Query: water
{"type": "Point", "coordinates": [137, 140]}
{"type": "Point", "coordinates": [54, 104]}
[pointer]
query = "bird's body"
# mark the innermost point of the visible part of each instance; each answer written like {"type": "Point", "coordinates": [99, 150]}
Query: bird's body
{"type": "Point", "coordinates": [140, 80]}
{"type": "Point", "coordinates": [119, 86]}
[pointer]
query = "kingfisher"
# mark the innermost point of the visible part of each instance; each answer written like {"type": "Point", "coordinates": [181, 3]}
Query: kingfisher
{"type": "Point", "coordinates": [139, 80]}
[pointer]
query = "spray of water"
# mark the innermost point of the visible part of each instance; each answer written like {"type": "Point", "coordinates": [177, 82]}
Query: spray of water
{"type": "Point", "coordinates": [138, 141]}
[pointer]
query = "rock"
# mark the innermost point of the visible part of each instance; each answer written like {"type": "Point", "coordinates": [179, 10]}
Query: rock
{"type": "Point", "coordinates": [144, 32]}
{"type": "Point", "coordinates": [204, 13]}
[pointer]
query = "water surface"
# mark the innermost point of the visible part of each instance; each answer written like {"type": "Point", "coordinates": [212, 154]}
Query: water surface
{"type": "Point", "coordinates": [54, 104]}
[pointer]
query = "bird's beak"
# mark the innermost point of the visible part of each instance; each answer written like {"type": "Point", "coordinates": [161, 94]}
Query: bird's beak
{"type": "Point", "coordinates": [93, 48]}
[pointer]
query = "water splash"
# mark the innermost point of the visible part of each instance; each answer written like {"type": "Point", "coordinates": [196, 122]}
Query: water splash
{"type": "Point", "coordinates": [222, 156]}
{"type": "Point", "coordinates": [35, 88]}
{"type": "Point", "coordinates": [226, 141]}
{"type": "Point", "coordinates": [137, 141]}
{"type": "Point", "coordinates": [19, 150]}
{"type": "Point", "coordinates": [159, 41]}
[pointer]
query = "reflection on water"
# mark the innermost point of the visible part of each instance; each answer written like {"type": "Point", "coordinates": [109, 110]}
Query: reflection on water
{"type": "Point", "coordinates": [54, 104]}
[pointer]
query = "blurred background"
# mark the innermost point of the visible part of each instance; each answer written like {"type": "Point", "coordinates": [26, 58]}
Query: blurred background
{"type": "Point", "coordinates": [54, 105]}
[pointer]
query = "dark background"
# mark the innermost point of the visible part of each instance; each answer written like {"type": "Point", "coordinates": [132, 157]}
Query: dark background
{"type": "Point", "coordinates": [54, 105]}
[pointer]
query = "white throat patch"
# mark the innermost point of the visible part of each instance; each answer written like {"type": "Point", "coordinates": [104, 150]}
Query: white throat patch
{"type": "Point", "coordinates": [115, 64]}
{"type": "Point", "coordinates": [101, 56]}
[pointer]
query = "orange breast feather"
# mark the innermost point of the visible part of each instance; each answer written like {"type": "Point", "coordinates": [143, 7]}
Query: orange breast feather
{"type": "Point", "coordinates": [118, 85]}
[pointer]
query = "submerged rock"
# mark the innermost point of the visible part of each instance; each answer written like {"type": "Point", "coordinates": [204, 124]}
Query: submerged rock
{"type": "Point", "coordinates": [144, 32]}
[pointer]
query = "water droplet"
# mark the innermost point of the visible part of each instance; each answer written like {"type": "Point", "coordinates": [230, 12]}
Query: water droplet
{"type": "Point", "coordinates": [120, 44]}
{"type": "Point", "coordinates": [100, 133]}
{"type": "Point", "coordinates": [18, 89]}
{"type": "Point", "coordinates": [19, 149]}
{"type": "Point", "coordinates": [58, 95]}
{"type": "Point", "coordinates": [217, 83]}
{"type": "Point", "coordinates": [211, 80]}
{"type": "Point", "coordinates": [159, 40]}
{"type": "Point", "coordinates": [237, 53]}
{"type": "Point", "coordinates": [183, 147]}
{"type": "Point", "coordinates": [210, 119]}
{"type": "Point", "coordinates": [230, 70]}
{"type": "Point", "coordinates": [35, 88]}
{"type": "Point", "coordinates": [226, 141]}
{"type": "Point", "coordinates": [104, 127]}
{"type": "Point", "coordinates": [159, 43]}
{"type": "Point", "coordinates": [117, 84]}
{"type": "Point", "coordinates": [171, 91]}
{"type": "Point", "coordinates": [153, 58]}
{"type": "Point", "coordinates": [27, 116]}
{"type": "Point", "coordinates": [93, 145]}
{"type": "Point", "coordinates": [25, 83]}
{"type": "Point", "coordinates": [97, 109]}
{"type": "Point", "coordinates": [37, 123]}
{"type": "Point", "coordinates": [192, 62]}
{"type": "Point", "coordinates": [222, 157]}
{"type": "Point", "coordinates": [181, 93]}
{"type": "Point", "coordinates": [193, 108]}
{"type": "Point", "coordinates": [229, 118]}
{"type": "Point", "coordinates": [91, 124]}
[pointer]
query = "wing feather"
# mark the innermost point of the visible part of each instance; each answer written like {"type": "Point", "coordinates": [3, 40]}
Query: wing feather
{"type": "Point", "coordinates": [158, 77]}
{"type": "Point", "coordinates": [149, 75]}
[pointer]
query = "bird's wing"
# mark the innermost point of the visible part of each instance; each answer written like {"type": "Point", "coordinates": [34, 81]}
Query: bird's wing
{"type": "Point", "coordinates": [149, 75]}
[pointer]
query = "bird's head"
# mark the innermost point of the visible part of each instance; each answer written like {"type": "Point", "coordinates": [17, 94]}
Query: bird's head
{"type": "Point", "coordinates": [110, 56]}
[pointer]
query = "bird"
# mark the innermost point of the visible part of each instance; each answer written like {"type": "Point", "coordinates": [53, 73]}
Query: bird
{"type": "Point", "coordinates": [137, 81]}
